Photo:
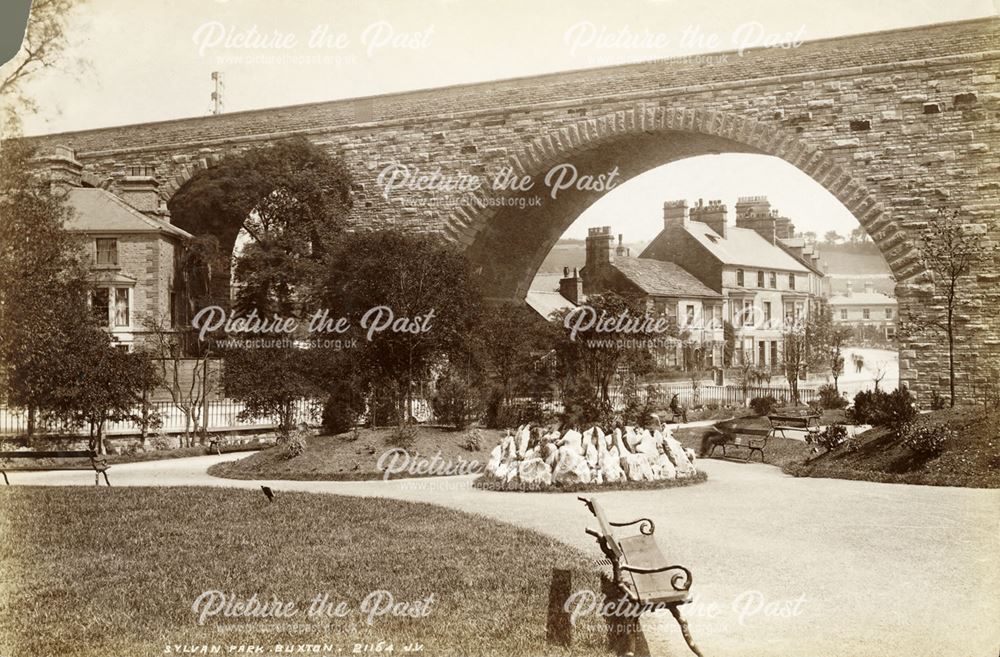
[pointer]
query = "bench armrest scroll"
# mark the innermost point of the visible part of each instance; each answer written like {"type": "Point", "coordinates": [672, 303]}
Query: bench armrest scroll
{"type": "Point", "coordinates": [647, 527]}
{"type": "Point", "coordinates": [680, 581]}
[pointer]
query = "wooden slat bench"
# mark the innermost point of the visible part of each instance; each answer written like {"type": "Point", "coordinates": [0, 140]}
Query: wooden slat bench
{"type": "Point", "coordinates": [639, 570]}
{"type": "Point", "coordinates": [782, 423]}
{"type": "Point", "coordinates": [733, 435]}
{"type": "Point", "coordinates": [98, 463]}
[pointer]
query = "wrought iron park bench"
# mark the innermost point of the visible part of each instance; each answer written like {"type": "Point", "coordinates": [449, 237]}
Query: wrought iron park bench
{"type": "Point", "coordinates": [808, 423]}
{"type": "Point", "coordinates": [98, 463]}
{"type": "Point", "coordinates": [639, 571]}
{"type": "Point", "coordinates": [731, 433]}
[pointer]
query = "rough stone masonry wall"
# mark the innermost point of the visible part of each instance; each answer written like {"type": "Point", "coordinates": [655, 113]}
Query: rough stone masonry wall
{"type": "Point", "coordinates": [893, 124]}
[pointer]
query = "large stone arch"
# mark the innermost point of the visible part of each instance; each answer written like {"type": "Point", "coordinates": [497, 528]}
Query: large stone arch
{"type": "Point", "coordinates": [508, 243]}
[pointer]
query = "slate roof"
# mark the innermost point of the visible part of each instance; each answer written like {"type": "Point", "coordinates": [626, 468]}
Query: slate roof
{"type": "Point", "coordinates": [662, 278]}
{"type": "Point", "coordinates": [98, 210]}
{"type": "Point", "coordinates": [545, 303]}
{"type": "Point", "coordinates": [862, 299]}
{"type": "Point", "coordinates": [743, 247]}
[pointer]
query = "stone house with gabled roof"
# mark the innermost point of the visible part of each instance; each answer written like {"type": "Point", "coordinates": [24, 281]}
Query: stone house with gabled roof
{"type": "Point", "coordinates": [667, 289]}
{"type": "Point", "coordinates": [765, 284]}
{"type": "Point", "coordinates": [132, 247]}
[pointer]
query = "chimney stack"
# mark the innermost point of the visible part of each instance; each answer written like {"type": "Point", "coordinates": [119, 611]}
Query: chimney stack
{"type": "Point", "coordinates": [141, 190]}
{"type": "Point", "coordinates": [599, 241]}
{"type": "Point", "coordinates": [713, 215]}
{"type": "Point", "coordinates": [850, 289]}
{"type": "Point", "coordinates": [621, 251]}
{"type": "Point", "coordinates": [571, 287]}
{"type": "Point", "coordinates": [869, 287]}
{"type": "Point", "coordinates": [675, 213]}
{"type": "Point", "coordinates": [61, 167]}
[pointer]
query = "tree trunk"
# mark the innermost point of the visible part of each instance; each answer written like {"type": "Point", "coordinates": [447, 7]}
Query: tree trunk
{"type": "Point", "coordinates": [951, 357]}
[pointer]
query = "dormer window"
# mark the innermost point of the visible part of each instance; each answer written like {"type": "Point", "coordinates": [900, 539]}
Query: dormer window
{"type": "Point", "coordinates": [107, 251]}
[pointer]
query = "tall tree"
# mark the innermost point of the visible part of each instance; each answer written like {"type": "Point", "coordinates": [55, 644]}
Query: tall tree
{"type": "Point", "coordinates": [952, 251]}
{"type": "Point", "coordinates": [509, 339]}
{"type": "Point", "coordinates": [291, 199]}
{"type": "Point", "coordinates": [412, 299]}
{"type": "Point", "coordinates": [42, 280]}
{"type": "Point", "coordinates": [54, 358]}
{"type": "Point", "coordinates": [826, 340]}
{"type": "Point", "coordinates": [45, 40]}
{"type": "Point", "coordinates": [591, 357]}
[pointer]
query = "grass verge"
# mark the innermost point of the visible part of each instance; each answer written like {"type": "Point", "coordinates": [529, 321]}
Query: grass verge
{"type": "Point", "coordinates": [116, 571]}
{"type": "Point", "coordinates": [489, 482]}
{"type": "Point", "coordinates": [351, 456]}
{"type": "Point", "coordinates": [972, 459]}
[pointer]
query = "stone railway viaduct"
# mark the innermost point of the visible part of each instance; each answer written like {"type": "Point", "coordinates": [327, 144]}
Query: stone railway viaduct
{"type": "Point", "coordinates": [894, 124]}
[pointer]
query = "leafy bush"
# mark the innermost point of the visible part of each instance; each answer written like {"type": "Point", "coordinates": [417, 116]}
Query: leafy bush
{"type": "Point", "coordinates": [866, 407]}
{"type": "Point", "coordinates": [457, 400]}
{"type": "Point", "coordinates": [403, 436]}
{"type": "Point", "coordinates": [927, 440]}
{"type": "Point", "coordinates": [937, 401]}
{"type": "Point", "coordinates": [832, 437]}
{"type": "Point", "coordinates": [341, 410]}
{"type": "Point", "coordinates": [830, 398]}
{"type": "Point", "coordinates": [878, 408]}
{"type": "Point", "coordinates": [473, 441]}
{"type": "Point", "coordinates": [763, 405]}
{"type": "Point", "coordinates": [295, 444]}
{"type": "Point", "coordinates": [899, 409]}
{"type": "Point", "coordinates": [582, 406]}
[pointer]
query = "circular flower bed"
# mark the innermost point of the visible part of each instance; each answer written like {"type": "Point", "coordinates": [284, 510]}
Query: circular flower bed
{"type": "Point", "coordinates": [540, 459]}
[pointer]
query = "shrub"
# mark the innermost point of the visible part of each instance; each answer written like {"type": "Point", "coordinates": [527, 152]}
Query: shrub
{"type": "Point", "coordinates": [582, 406]}
{"type": "Point", "coordinates": [899, 409]}
{"type": "Point", "coordinates": [294, 444]}
{"type": "Point", "coordinates": [879, 408]}
{"type": "Point", "coordinates": [403, 436]}
{"type": "Point", "coordinates": [457, 400]}
{"type": "Point", "coordinates": [473, 441]}
{"type": "Point", "coordinates": [927, 440]}
{"type": "Point", "coordinates": [832, 437]}
{"type": "Point", "coordinates": [763, 405]}
{"type": "Point", "coordinates": [830, 398]}
{"type": "Point", "coordinates": [866, 406]}
{"type": "Point", "coordinates": [938, 402]}
{"type": "Point", "coordinates": [341, 410]}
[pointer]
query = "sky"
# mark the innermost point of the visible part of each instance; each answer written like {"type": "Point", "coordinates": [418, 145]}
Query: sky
{"type": "Point", "coordinates": [152, 60]}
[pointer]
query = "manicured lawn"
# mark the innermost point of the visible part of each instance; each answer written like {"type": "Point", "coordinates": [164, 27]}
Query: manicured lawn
{"type": "Point", "coordinates": [115, 572]}
{"type": "Point", "coordinates": [347, 457]}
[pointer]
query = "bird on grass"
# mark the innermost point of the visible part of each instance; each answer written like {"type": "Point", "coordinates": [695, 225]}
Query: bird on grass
{"type": "Point", "coordinates": [268, 492]}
